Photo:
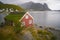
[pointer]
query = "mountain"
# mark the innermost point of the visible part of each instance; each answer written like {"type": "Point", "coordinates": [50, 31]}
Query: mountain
{"type": "Point", "coordinates": [1, 2]}
{"type": "Point", "coordinates": [35, 6]}
{"type": "Point", "coordinates": [45, 7]}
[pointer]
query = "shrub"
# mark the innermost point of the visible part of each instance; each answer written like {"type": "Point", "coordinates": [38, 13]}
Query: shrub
{"type": "Point", "coordinates": [46, 35]}
{"type": "Point", "coordinates": [18, 28]}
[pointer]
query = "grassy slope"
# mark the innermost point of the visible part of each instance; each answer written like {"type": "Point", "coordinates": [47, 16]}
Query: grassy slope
{"type": "Point", "coordinates": [11, 6]}
{"type": "Point", "coordinates": [15, 17]}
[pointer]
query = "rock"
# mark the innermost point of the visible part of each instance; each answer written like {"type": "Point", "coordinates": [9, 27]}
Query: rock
{"type": "Point", "coordinates": [27, 36]}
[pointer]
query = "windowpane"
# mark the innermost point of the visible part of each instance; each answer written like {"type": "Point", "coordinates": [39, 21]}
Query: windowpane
{"type": "Point", "coordinates": [23, 23]}
{"type": "Point", "coordinates": [30, 21]}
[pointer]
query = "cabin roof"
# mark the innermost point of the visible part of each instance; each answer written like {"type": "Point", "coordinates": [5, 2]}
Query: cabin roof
{"type": "Point", "coordinates": [25, 15]}
{"type": "Point", "coordinates": [15, 16]}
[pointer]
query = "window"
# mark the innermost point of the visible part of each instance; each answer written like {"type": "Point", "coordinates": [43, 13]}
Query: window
{"type": "Point", "coordinates": [26, 17]}
{"type": "Point", "coordinates": [23, 23]}
{"type": "Point", "coordinates": [30, 21]}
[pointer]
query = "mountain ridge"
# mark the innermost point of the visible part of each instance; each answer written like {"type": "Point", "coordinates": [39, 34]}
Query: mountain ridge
{"type": "Point", "coordinates": [35, 6]}
{"type": "Point", "coordinates": [1, 2]}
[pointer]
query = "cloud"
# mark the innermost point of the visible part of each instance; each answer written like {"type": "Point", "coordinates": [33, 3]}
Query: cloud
{"type": "Point", "coordinates": [11, 1]}
{"type": "Point", "coordinates": [52, 4]}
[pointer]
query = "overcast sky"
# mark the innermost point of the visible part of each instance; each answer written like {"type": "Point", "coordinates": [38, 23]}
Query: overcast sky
{"type": "Point", "coordinates": [52, 4]}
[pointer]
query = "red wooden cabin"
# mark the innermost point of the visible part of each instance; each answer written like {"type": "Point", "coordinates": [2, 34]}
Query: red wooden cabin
{"type": "Point", "coordinates": [27, 20]}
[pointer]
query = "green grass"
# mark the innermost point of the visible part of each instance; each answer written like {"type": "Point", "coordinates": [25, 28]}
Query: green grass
{"type": "Point", "coordinates": [15, 17]}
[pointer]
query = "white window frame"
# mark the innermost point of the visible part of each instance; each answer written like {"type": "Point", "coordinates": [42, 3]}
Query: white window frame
{"type": "Point", "coordinates": [23, 23]}
{"type": "Point", "coordinates": [30, 21]}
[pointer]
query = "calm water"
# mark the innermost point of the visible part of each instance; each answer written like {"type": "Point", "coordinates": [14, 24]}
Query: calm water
{"type": "Point", "coordinates": [47, 18]}
{"type": "Point", "coordinates": [2, 17]}
{"type": "Point", "coordinates": [43, 18]}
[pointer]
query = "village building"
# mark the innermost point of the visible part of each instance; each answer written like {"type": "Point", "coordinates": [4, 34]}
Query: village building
{"type": "Point", "coordinates": [9, 10]}
{"type": "Point", "coordinates": [1, 10]}
{"type": "Point", "coordinates": [17, 10]}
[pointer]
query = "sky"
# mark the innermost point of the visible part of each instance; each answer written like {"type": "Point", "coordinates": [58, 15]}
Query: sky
{"type": "Point", "coordinates": [52, 4]}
